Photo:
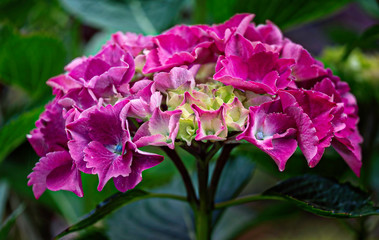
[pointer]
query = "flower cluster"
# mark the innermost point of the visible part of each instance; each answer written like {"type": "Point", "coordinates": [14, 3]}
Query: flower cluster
{"type": "Point", "coordinates": [229, 82]}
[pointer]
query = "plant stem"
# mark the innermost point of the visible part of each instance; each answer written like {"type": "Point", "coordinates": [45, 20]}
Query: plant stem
{"type": "Point", "coordinates": [220, 164]}
{"type": "Point", "coordinates": [216, 146]}
{"type": "Point", "coordinates": [167, 195]}
{"type": "Point", "coordinates": [362, 233]}
{"type": "Point", "coordinates": [245, 199]}
{"type": "Point", "coordinates": [203, 212]}
{"type": "Point", "coordinates": [191, 196]}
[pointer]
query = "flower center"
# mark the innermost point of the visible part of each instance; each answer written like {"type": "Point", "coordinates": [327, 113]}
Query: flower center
{"type": "Point", "coordinates": [118, 149]}
{"type": "Point", "coordinates": [259, 135]}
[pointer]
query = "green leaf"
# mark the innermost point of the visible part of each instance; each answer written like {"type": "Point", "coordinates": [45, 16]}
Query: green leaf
{"type": "Point", "coordinates": [153, 219]}
{"type": "Point", "coordinates": [283, 13]}
{"type": "Point", "coordinates": [10, 221]}
{"type": "Point", "coordinates": [324, 197]}
{"type": "Point", "coordinates": [144, 16]}
{"type": "Point", "coordinates": [371, 6]}
{"type": "Point", "coordinates": [371, 35]}
{"type": "Point", "coordinates": [13, 133]}
{"type": "Point", "coordinates": [236, 174]}
{"type": "Point", "coordinates": [29, 61]}
{"type": "Point", "coordinates": [111, 204]}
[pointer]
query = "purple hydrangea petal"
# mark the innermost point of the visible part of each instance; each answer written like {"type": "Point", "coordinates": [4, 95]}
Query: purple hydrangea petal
{"type": "Point", "coordinates": [141, 161]}
{"type": "Point", "coordinates": [96, 124]}
{"type": "Point", "coordinates": [56, 171]}
{"type": "Point", "coordinates": [107, 164]}
{"type": "Point", "coordinates": [50, 134]}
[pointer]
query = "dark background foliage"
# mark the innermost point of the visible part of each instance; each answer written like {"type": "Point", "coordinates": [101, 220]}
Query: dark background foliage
{"type": "Point", "coordinates": [38, 37]}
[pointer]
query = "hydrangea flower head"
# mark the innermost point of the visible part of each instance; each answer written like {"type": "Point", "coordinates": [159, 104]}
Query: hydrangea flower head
{"type": "Point", "coordinates": [230, 82]}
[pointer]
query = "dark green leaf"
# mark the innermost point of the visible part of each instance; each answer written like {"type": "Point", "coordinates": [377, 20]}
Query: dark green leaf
{"type": "Point", "coordinates": [13, 133]}
{"type": "Point", "coordinates": [110, 205]}
{"type": "Point", "coordinates": [324, 196]}
{"type": "Point", "coordinates": [236, 174]}
{"type": "Point", "coordinates": [283, 13]}
{"type": "Point", "coordinates": [232, 221]}
{"type": "Point", "coordinates": [29, 61]}
{"type": "Point", "coordinates": [152, 219]}
{"type": "Point", "coordinates": [371, 6]}
{"type": "Point", "coordinates": [10, 221]}
{"type": "Point", "coordinates": [367, 37]}
{"type": "Point", "coordinates": [144, 16]}
{"type": "Point", "coordinates": [163, 214]}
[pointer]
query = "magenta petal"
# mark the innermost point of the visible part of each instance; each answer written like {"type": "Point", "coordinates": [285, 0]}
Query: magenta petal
{"type": "Point", "coordinates": [306, 67]}
{"type": "Point", "coordinates": [312, 112]}
{"type": "Point", "coordinates": [178, 46]}
{"type": "Point", "coordinates": [132, 42]}
{"type": "Point", "coordinates": [221, 33]}
{"type": "Point", "coordinates": [96, 124]}
{"type": "Point", "coordinates": [78, 131]}
{"type": "Point", "coordinates": [307, 137]}
{"type": "Point", "coordinates": [272, 132]}
{"type": "Point", "coordinates": [350, 152]}
{"type": "Point", "coordinates": [253, 67]}
{"type": "Point", "coordinates": [141, 161]}
{"type": "Point", "coordinates": [50, 134]}
{"type": "Point", "coordinates": [63, 83]}
{"type": "Point", "coordinates": [56, 171]}
{"type": "Point", "coordinates": [266, 33]}
{"type": "Point", "coordinates": [106, 164]}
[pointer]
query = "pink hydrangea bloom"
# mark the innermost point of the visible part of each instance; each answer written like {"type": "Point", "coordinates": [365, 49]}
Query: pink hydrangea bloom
{"type": "Point", "coordinates": [228, 82]}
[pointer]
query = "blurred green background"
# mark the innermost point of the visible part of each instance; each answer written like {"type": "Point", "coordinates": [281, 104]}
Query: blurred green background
{"type": "Point", "coordinates": [38, 37]}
